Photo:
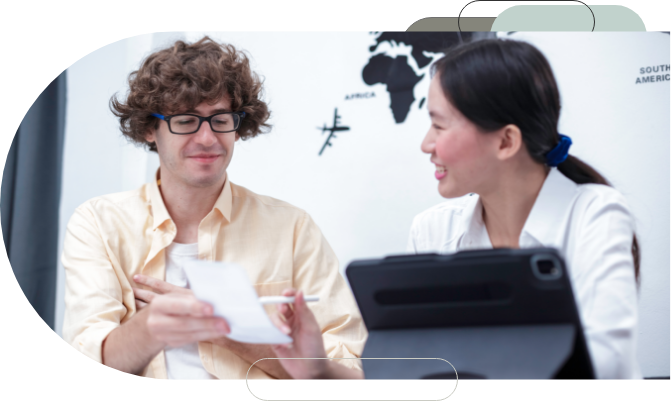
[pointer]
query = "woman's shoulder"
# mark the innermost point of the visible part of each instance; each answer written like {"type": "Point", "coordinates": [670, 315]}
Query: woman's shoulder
{"type": "Point", "coordinates": [599, 198]}
{"type": "Point", "coordinates": [601, 217]}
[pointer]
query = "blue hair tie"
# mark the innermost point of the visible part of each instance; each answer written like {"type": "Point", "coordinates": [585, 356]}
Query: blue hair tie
{"type": "Point", "coordinates": [560, 152]}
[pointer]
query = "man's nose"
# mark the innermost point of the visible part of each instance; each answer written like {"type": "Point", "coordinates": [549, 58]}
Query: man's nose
{"type": "Point", "coordinates": [205, 136]}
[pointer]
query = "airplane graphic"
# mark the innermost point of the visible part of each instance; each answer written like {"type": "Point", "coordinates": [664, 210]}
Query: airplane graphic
{"type": "Point", "coordinates": [335, 128]}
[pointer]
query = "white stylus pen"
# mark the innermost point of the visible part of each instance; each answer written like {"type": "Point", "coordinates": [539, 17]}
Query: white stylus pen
{"type": "Point", "coordinates": [286, 300]}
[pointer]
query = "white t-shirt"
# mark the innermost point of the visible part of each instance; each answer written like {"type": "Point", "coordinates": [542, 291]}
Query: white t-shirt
{"type": "Point", "coordinates": [591, 226]}
{"type": "Point", "coordinates": [182, 362]}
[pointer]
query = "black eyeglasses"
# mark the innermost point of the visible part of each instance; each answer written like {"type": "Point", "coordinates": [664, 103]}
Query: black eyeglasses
{"type": "Point", "coordinates": [185, 124]}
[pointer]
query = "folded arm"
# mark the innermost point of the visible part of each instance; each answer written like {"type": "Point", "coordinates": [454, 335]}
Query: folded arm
{"type": "Point", "coordinates": [97, 321]}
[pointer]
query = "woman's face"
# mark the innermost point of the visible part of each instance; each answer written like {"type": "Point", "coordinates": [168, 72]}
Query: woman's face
{"type": "Point", "coordinates": [465, 157]}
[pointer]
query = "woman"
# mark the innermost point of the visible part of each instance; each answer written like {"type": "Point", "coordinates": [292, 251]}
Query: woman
{"type": "Point", "coordinates": [494, 108]}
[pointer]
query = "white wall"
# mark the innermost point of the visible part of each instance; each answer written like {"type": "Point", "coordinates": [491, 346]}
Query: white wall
{"type": "Point", "coordinates": [364, 190]}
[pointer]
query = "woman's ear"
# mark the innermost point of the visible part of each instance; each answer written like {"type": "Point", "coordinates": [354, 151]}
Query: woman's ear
{"type": "Point", "coordinates": [510, 141]}
{"type": "Point", "coordinates": [237, 136]}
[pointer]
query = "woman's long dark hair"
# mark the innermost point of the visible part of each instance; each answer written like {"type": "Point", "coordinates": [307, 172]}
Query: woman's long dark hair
{"type": "Point", "coordinates": [497, 82]}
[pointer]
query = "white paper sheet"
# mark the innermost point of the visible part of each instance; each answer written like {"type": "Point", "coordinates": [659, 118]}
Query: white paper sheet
{"type": "Point", "coordinates": [227, 288]}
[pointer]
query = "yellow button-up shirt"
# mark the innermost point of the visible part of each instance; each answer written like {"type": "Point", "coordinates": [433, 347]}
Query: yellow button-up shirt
{"type": "Point", "coordinates": [113, 237]}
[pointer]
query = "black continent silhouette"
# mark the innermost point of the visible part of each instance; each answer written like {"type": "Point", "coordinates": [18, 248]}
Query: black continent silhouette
{"type": "Point", "coordinates": [397, 74]}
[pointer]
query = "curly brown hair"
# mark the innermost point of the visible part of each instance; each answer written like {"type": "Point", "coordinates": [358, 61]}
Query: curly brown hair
{"type": "Point", "coordinates": [182, 77]}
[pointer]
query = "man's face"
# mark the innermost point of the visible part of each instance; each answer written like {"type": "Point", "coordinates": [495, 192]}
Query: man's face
{"type": "Point", "coordinates": [199, 159]}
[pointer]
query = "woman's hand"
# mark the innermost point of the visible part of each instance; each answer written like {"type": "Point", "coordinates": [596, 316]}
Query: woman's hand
{"type": "Point", "coordinates": [301, 325]}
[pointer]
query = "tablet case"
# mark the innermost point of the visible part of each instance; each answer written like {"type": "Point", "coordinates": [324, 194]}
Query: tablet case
{"type": "Point", "coordinates": [496, 314]}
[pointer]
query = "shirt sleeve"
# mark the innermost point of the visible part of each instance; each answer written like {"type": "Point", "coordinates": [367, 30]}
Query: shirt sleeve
{"type": "Point", "coordinates": [605, 287]}
{"type": "Point", "coordinates": [316, 272]}
{"type": "Point", "coordinates": [93, 294]}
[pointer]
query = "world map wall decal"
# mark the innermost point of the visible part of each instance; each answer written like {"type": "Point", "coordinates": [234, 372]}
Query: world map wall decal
{"type": "Point", "coordinates": [399, 61]}
{"type": "Point", "coordinates": [397, 74]}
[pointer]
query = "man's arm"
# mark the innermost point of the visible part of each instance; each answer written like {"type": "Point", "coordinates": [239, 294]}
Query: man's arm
{"type": "Point", "coordinates": [129, 347]}
{"type": "Point", "coordinates": [94, 306]}
{"type": "Point", "coordinates": [94, 302]}
{"type": "Point", "coordinates": [93, 288]}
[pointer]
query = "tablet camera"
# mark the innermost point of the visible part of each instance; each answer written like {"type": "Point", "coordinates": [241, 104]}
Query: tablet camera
{"type": "Point", "coordinates": [545, 267]}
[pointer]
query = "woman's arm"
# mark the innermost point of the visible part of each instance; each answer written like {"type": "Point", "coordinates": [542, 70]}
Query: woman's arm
{"type": "Point", "coordinates": [301, 325]}
{"type": "Point", "coordinates": [602, 271]}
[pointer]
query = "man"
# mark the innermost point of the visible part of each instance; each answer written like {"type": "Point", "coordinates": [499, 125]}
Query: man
{"type": "Point", "coordinates": [128, 305]}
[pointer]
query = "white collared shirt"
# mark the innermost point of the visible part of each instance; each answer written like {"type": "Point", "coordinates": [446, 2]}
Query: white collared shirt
{"type": "Point", "coordinates": [592, 227]}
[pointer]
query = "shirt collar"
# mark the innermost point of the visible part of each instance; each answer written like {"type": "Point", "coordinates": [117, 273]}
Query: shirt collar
{"type": "Point", "coordinates": [474, 234]}
{"type": "Point", "coordinates": [553, 201]}
{"type": "Point", "coordinates": [223, 204]}
{"type": "Point", "coordinates": [549, 210]}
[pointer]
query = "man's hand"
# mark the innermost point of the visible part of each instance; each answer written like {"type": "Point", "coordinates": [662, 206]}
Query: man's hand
{"type": "Point", "coordinates": [171, 316]}
{"type": "Point", "coordinates": [158, 287]}
{"type": "Point", "coordinates": [175, 316]}
{"type": "Point", "coordinates": [177, 319]}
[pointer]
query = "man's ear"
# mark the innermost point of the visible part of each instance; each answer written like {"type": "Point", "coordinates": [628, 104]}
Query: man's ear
{"type": "Point", "coordinates": [150, 135]}
{"type": "Point", "coordinates": [510, 141]}
{"type": "Point", "coordinates": [237, 136]}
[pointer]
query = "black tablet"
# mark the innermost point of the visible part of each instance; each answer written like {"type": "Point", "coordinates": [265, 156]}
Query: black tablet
{"type": "Point", "coordinates": [500, 313]}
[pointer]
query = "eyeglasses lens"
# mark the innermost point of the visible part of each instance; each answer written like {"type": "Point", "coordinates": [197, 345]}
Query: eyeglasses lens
{"type": "Point", "coordinates": [224, 122]}
{"type": "Point", "coordinates": [186, 124]}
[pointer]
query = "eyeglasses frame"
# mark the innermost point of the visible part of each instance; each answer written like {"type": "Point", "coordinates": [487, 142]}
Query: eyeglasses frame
{"type": "Point", "coordinates": [167, 119]}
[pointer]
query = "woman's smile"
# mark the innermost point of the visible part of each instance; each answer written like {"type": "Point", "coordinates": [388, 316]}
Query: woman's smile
{"type": "Point", "coordinates": [441, 171]}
